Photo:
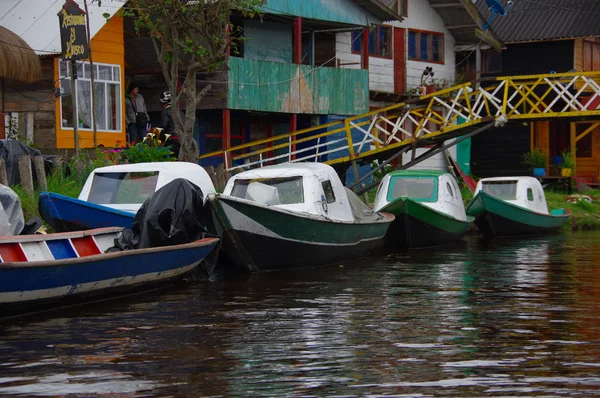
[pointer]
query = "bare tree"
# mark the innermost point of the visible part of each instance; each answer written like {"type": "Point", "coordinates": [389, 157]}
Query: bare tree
{"type": "Point", "coordinates": [189, 36]}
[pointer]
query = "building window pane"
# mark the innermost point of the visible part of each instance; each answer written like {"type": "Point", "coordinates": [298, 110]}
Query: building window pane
{"type": "Point", "coordinates": [114, 107]}
{"type": "Point", "coordinates": [84, 103]}
{"type": "Point", "coordinates": [356, 36]}
{"type": "Point", "coordinates": [424, 46]}
{"type": "Point", "coordinates": [104, 72]}
{"type": "Point", "coordinates": [67, 104]}
{"type": "Point", "coordinates": [436, 48]}
{"type": "Point", "coordinates": [584, 146]}
{"type": "Point", "coordinates": [412, 45]}
{"type": "Point", "coordinates": [385, 41]}
{"type": "Point", "coordinates": [100, 105]}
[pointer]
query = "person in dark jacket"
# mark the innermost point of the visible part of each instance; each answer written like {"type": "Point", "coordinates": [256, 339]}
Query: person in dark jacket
{"type": "Point", "coordinates": [167, 123]}
{"type": "Point", "coordinates": [134, 105]}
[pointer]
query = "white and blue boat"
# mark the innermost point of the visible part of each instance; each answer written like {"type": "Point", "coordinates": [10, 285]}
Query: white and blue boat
{"type": "Point", "coordinates": [64, 268]}
{"type": "Point", "coordinates": [112, 195]}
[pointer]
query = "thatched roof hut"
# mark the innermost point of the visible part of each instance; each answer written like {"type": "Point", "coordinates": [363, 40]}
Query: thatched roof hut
{"type": "Point", "coordinates": [17, 60]}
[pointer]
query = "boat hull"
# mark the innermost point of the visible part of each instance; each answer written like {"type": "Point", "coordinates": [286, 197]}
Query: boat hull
{"type": "Point", "coordinates": [29, 285]}
{"type": "Point", "coordinates": [65, 214]}
{"type": "Point", "coordinates": [418, 226]}
{"type": "Point", "coordinates": [259, 238]}
{"type": "Point", "coordinates": [496, 218]}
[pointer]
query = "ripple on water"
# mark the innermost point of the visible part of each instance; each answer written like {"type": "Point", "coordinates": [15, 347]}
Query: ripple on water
{"type": "Point", "coordinates": [501, 318]}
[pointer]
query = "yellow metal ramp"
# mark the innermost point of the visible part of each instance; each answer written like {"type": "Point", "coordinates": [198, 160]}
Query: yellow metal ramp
{"type": "Point", "coordinates": [427, 120]}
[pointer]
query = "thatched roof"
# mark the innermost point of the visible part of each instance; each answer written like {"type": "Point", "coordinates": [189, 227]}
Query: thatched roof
{"type": "Point", "coordinates": [17, 60]}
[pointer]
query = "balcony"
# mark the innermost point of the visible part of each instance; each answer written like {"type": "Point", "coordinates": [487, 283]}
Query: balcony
{"type": "Point", "coordinates": [269, 86]}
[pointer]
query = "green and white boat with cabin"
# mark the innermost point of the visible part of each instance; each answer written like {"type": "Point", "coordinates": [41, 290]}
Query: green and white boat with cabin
{"type": "Point", "coordinates": [428, 206]}
{"type": "Point", "coordinates": [514, 206]}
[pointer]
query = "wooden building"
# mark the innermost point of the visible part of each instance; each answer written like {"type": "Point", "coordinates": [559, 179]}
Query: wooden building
{"type": "Point", "coordinates": [556, 36]}
{"type": "Point", "coordinates": [285, 77]}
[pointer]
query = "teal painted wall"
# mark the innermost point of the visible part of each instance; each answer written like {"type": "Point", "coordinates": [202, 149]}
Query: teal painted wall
{"type": "Point", "coordinates": [344, 11]}
{"type": "Point", "coordinates": [268, 40]}
{"type": "Point", "coordinates": [463, 152]}
{"type": "Point", "coordinates": [288, 88]}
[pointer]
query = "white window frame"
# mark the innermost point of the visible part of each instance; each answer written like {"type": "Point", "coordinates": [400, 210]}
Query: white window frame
{"type": "Point", "coordinates": [116, 71]}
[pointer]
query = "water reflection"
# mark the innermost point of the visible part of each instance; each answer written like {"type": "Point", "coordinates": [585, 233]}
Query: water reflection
{"type": "Point", "coordinates": [478, 318]}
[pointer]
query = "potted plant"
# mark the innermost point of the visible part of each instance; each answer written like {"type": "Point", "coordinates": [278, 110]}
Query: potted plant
{"type": "Point", "coordinates": [567, 165]}
{"type": "Point", "coordinates": [536, 161]}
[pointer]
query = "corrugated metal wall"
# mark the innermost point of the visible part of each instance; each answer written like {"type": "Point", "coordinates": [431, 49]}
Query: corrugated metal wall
{"type": "Point", "coordinates": [288, 88]}
{"type": "Point", "coordinates": [268, 41]}
{"type": "Point", "coordinates": [343, 11]}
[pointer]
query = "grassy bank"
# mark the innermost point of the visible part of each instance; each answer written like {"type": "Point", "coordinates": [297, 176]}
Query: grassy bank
{"type": "Point", "coordinates": [586, 215]}
{"type": "Point", "coordinates": [61, 181]}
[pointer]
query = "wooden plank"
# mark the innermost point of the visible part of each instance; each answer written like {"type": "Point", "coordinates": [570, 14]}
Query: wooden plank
{"type": "Point", "coordinates": [28, 106]}
{"type": "Point", "coordinates": [12, 253]}
{"type": "Point", "coordinates": [85, 246]}
{"type": "Point", "coordinates": [37, 251]}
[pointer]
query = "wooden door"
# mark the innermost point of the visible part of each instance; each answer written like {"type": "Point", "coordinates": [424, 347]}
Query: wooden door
{"type": "Point", "coordinates": [399, 62]}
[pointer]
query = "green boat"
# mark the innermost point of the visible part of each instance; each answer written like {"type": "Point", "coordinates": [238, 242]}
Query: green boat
{"type": "Point", "coordinates": [514, 206]}
{"type": "Point", "coordinates": [294, 215]}
{"type": "Point", "coordinates": [428, 207]}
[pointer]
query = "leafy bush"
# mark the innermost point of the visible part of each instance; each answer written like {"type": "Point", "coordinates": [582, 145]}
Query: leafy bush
{"type": "Point", "coordinates": [535, 158]}
{"type": "Point", "coordinates": [567, 162]}
{"type": "Point", "coordinates": [151, 149]}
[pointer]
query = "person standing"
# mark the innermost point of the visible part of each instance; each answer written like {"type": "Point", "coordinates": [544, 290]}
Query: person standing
{"type": "Point", "coordinates": [136, 114]}
{"type": "Point", "coordinates": [167, 123]}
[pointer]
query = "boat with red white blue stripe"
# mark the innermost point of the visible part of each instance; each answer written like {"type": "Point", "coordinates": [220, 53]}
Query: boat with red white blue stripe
{"type": "Point", "coordinates": [66, 267]}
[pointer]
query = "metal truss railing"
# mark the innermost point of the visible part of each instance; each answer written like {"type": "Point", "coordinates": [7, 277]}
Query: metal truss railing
{"type": "Point", "coordinates": [430, 118]}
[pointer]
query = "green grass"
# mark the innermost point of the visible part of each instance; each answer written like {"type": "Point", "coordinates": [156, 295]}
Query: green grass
{"type": "Point", "coordinates": [586, 215]}
{"type": "Point", "coordinates": [60, 181]}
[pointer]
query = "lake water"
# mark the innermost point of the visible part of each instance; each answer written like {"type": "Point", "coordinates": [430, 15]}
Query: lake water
{"type": "Point", "coordinates": [507, 318]}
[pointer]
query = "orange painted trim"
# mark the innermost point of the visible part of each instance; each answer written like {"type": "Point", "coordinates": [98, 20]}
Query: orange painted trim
{"type": "Point", "coordinates": [108, 48]}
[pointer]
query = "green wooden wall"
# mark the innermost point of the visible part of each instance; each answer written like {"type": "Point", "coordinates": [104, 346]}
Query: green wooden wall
{"type": "Point", "coordinates": [268, 86]}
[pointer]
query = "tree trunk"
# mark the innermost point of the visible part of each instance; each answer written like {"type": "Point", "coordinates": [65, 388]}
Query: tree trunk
{"type": "Point", "coordinates": [188, 152]}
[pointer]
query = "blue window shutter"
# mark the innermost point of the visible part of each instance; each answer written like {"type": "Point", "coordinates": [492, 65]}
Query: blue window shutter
{"type": "Point", "coordinates": [424, 39]}
{"type": "Point", "coordinates": [412, 45]}
{"type": "Point", "coordinates": [356, 42]}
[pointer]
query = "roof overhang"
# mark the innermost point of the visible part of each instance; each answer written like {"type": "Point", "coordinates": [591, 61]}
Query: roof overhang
{"type": "Point", "coordinates": [464, 21]}
{"type": "Point", "coordinates": [380, 10]}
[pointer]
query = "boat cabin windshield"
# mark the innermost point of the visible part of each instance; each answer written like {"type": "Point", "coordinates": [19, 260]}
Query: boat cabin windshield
{"type": "Point", "coordinates": [417, 188]}
{"type": "Point", "coordinates": [505, 190]}
{"type": "Point", "coordinates": [122, 188]}
{"type": "Point", "coordinates": [270, 191]}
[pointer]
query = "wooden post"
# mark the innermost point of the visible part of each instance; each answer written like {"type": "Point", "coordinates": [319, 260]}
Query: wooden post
{"type": "Point", "coordinates": [74, 102]}
{"type": "Point", "coordinates": [3, 175]}
{"type": "Point", "coordinates": [40, 172]}
{"type": "Point", "coordinates": [365, 49]}
{"type": "Point", "coordinates": [293, 127]}
{"type": "Point", "coordinates": [573, 142]}
{"type": "Point", "coordinates": [24, 162]}
{"type": "Point", "coordinates": [297, 54]}
{"type": "Point", "coordinates": [220, 178]}
{"type": "Point", "coordinates": [57, 163]}
{"type": "Point", "coordinates": [226, 135]}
